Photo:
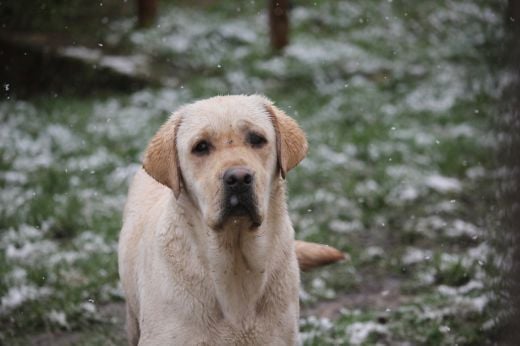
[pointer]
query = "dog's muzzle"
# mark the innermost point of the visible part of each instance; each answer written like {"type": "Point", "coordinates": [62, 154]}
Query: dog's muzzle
{"type": "Point", "coordinates": [239, 196]}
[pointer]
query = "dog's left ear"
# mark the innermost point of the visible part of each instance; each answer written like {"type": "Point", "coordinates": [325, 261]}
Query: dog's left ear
{"type": "Point", "coordinates": [291, 144]}
{"type": "Point", "coordinates": [161, 160]}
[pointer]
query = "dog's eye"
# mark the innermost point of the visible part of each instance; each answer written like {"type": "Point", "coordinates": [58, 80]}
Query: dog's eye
{"type": "Point", "coordinates": [256, 140]}
{"type": "Point", "coordinates": [201, 148]}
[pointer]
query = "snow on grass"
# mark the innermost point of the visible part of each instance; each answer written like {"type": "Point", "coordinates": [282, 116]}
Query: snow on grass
{"type": "Point", "coordinates": [16, 276]}
{"type": "Point", "coordinates": [58, 317]}
{"type": "Point", "coordinates": [316, 328]}
{"type": "Point", "coordinates": [441, 97]}
{"type": "Point", "coordinates": [415, 255]}
{"type": "Point", "coordinates": [30, 252]}
{"type": "Point", "coordinates": [345, 226]}
{"type": "Point", "coordinates": [18, 295]}
{"type": "Point", "coordinates": [359, 331]}
{"type": "Point", "coordinates": [467, 288]}
{"type": "Point", "coordinates": [443, 184]}
{"type": "Point", "coordinates": [389, 100]}
{"type": "Point", "coordinates": [461, 228]}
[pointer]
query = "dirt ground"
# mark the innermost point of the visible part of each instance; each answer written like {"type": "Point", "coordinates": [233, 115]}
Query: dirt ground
{"type": "Point", "coordinates": [373, 294]}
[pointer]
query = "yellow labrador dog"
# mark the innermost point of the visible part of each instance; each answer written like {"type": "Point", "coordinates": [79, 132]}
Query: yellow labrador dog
{"type": "Point", "coordinates": [207, 253]}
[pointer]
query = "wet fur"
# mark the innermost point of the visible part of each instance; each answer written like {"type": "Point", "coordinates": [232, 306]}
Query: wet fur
{"type": "Point", "coordinates": [187, 284]}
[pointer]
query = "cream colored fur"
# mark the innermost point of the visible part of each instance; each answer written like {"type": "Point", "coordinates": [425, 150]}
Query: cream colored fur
{"type": "Point", "coordinates": [188, 282]}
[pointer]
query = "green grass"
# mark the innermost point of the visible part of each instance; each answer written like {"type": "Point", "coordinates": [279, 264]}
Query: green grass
{"type": "Point", "coordinates": [397, 102]}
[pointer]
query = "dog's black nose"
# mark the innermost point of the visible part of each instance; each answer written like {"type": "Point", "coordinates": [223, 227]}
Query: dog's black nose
{"type": "Point", "coordinates": [238, 177]}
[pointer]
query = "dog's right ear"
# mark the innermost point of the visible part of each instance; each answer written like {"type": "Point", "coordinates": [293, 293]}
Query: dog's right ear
{"type": "Point", "coordinates": [291, 144]}
{"type": "Point", "coordinates": [161, 160]}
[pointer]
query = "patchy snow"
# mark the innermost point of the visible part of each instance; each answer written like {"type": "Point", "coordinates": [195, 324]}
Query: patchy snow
{"type": "Point", "coordinates": [475, 172]}
{"type": "Point", "coordinates": [58, 317]}
{"type": "Point", "coordinates": [17, 276]}
{"type": "Point", "coordinates": [275, 65]}
{"type": "Point", "coordinates": [123, 174]}
{"type": "Point", "coordinates": [88, 307]}
{"type": "Point", "coordinates": [443, 184]}
{"type": "Point", "coordinates": [87, 54]}
{"type": "Point", "coordinates": [23, 233]}
{"type": "Point", "coordinates": [434, 99]}
{"type": "Point", "coordinates": [325, 52]}
{"type": "Point", "coordinates": [358, 332]}
{"type": "Point", "coordinates": [129, 65]}
{"type": "Point", "coordinates": [64, 138]}
{"type": "Point", "coordinates": [429, 226]}
{"type": "Point", "coordinates": [481, 252]}
{"type": "Point", "coordinates": [404, 193]}
{"type": "Point", "coordinates": [92, 162]}
{"type": "Point", "coordinates": [341, 226]}
{"type": "Point", "coordinates": [426, 276]}
{"type": "Point", "coordinates": [17, 295]}
{"type": "Point", "coordinates": [415, 255]}
{"type": "Point", "coordinates": [462, 290]}
{"type": "Point", "coordinates": [461, 130]}
{"type": "Point", "coordinates": [318, 283]}
{"type": "Point", "coordinates": [13, 177]}
{"type": "Point", "coordinates": [65, 257]}
{"type": "Point", "coordinates": [477, 304]}
{"type": "Point", "coordinates": [31, 251]}
{"type": "Point", "coordinates": [366, 187]}
{"type": "Point", "coordinates": [408, 193]}
{"type": "Point", "coordinates": [318, 326]}
{"type": "Point", "coordinates": [240, 30]}
{"type": "Point", "coordinates": [372, 252]}
{"type": "Point", "coordinates": [462, 228]}
{"type": "Point", "coordinates": [90, 242]}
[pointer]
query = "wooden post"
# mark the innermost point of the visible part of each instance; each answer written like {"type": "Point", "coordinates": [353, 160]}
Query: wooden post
{"type": "Point", "coordinates": [279, 23]}
{"type": "Point", "coordinates": [513, 11]}
{"type": "Point", "coordinates": [146, 12]}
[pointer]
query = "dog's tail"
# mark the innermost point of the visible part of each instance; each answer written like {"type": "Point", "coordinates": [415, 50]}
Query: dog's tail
{"type": "Point", "coordinates": [312, 255]}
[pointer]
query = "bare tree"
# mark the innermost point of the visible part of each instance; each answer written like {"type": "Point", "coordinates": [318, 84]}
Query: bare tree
{"type": "Point", "coordinates": [513, 11]}
{"type": "Point", "coordinates": [279, 23]}
{"type": "Point", "coordinates": [509, 125]}
{"type": "Point", "coordinates": [146, 12]}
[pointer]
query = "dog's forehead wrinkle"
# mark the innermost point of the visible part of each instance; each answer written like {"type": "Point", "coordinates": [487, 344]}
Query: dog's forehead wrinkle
{"type": "Point", "coordinates": [226, 113]}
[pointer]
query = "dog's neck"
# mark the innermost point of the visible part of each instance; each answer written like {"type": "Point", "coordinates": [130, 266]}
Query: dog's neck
{"type": "Point", "coordinates": [239, 264]}
{"type": "Point", "coordinates": [239, 261]}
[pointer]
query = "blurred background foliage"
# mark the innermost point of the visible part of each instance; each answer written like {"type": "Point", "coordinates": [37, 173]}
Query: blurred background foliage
{"type": "Point", "coordinates": [74, 16]}
{"type": "Point", "coordinates": [408, 109]}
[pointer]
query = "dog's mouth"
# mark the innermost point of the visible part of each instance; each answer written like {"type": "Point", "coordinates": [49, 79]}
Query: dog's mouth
{"type": "Point", "coordinates": [240, 207]}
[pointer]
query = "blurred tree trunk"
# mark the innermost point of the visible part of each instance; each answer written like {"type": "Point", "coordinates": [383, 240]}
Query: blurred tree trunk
{"type": "Point", "coordinates": [279, 23]}
{"type": "Point", "coordinates": [511, 160]}
{"type": "Point", "coordinates": [514, 11]}
{"type": "Point", "coordinates": [146, 12]}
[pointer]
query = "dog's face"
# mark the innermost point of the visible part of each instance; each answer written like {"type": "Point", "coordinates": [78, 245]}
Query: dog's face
{"type": "Point", "coordinates": [227, 156]}
{"type": "Point", "coordinates": [226, 153]}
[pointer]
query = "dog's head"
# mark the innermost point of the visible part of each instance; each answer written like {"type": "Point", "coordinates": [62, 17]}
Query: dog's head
{"type": "Point", "coordinates": [226, 153]}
